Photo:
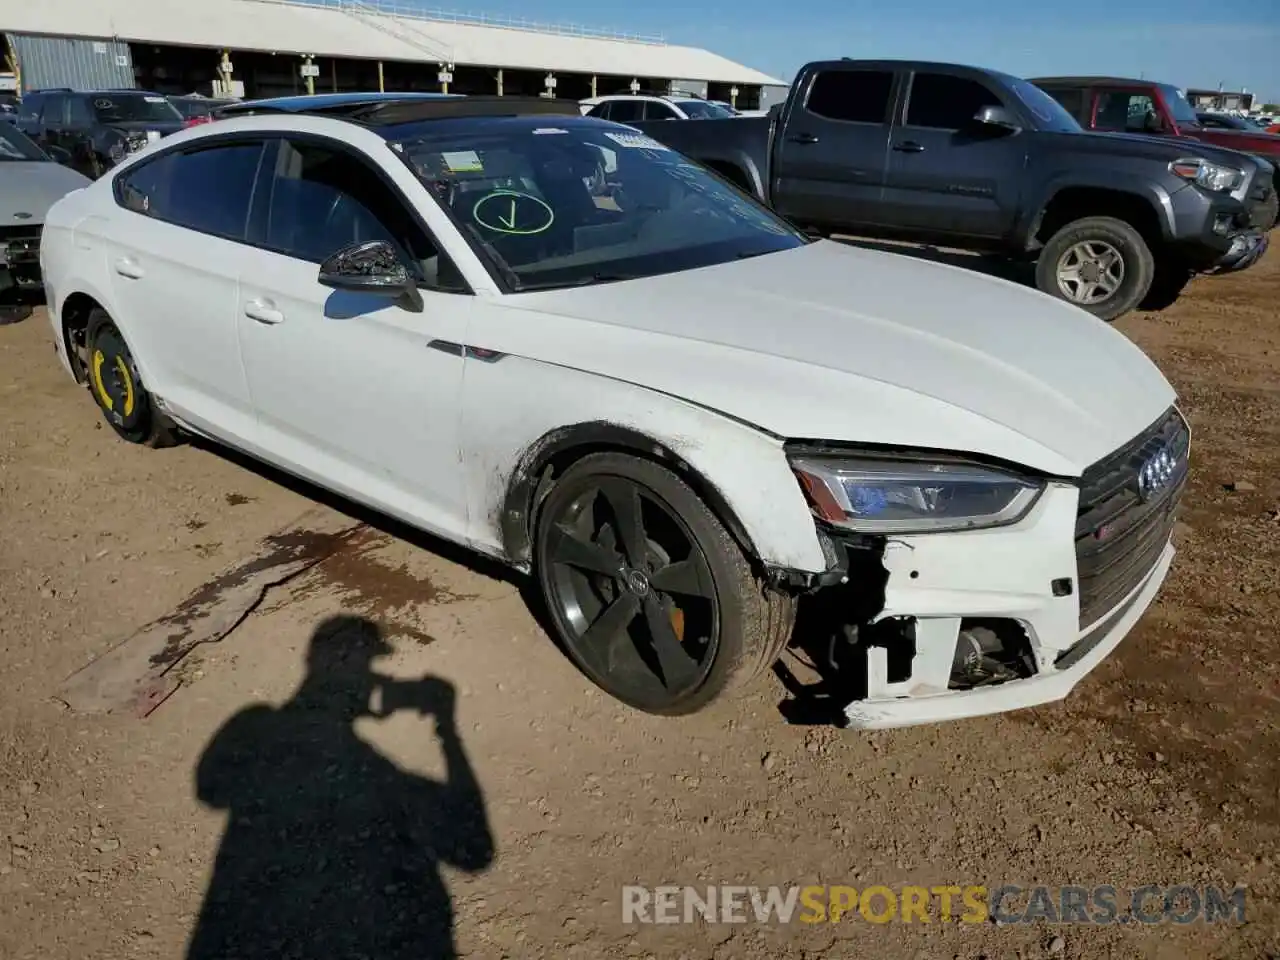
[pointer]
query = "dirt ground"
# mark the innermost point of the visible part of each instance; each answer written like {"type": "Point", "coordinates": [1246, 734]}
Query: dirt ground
{"type": "Point", "coordinates": [339, 837]}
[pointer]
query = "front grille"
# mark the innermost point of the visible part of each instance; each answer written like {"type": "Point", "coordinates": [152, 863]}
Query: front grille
{"type": "Point", "coordinates": [1119, 534]}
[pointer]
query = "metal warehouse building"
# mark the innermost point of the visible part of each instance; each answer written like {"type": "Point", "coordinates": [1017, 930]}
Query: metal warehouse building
{"type": "Point", "coordinates": [259, 48]}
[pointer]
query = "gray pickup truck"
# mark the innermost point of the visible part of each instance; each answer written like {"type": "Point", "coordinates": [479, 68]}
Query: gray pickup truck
{"type": "Point", "coordinates": [975, 159]}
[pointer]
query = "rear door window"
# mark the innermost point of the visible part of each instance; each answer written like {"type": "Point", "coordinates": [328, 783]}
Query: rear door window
{"type": "Point", "coordinates": [1124, 110]}
{"type": "Point", "coordinates": [209, 190]}
{"type": "Point", "coordinates": [657, 110]}
{"type": "Point", "coordinates": [854, 96]}
{"type": "Point", "coordinates": [627, 111]}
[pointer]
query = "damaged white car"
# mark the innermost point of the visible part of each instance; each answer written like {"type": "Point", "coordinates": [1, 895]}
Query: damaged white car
{"type": "Point", "coordinates": [553, 340]}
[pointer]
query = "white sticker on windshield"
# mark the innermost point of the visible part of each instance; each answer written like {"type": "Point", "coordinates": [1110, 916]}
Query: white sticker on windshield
{"type": "Point", "coordinates": [154, 99]}
{"type": "Point", "coordinates": [636, 141]}
{"type": "Point", "coordinates": [462, 161]}
{"type": "Point", "coordinates": [546, 130]}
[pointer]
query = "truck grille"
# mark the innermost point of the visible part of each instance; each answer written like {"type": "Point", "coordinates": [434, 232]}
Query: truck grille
{"type": "Point", "coordinates": [1123, 524]}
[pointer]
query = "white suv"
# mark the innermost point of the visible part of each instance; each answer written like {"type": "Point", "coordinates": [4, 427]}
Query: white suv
{"type": "Point", "coordinates": [680, 414]}
{"type": "Point", "coordinates": [622, 108]}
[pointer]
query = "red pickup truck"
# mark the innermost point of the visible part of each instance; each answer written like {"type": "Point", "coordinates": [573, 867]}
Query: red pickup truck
{"type": "Point", "coordinates": [1141, 106]}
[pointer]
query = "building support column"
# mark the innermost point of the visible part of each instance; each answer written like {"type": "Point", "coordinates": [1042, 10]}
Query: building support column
{"type": "Point", "coordinates": [500, 82]}
{"type": "Point", "coordinates": [334, 73]}
{"type": "Point", "coordinates": [733, 97]}
{"type": "Point", "coordinates": [444, 76]}
{"type": "Point", "coordinates": [593, 85]}
{"type": "Point", "coordinates": [309, 73]}
{"type": "Point", "coordinates": [382, 80]}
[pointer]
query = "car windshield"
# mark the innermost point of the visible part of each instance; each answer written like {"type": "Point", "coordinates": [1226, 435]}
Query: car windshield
{"type": "Point", "coordinates": [1184, 115]}
{"type": "Point", "coordinates": [14, 145]}
{"type": "Point", "coordinates": [133, 108]}
{"type": "Point", "coordinates": [561, 201]}
{"type": "Point", "coordinates": [701, 110]}
{"type": "Point", "coordinates": [1052, 115]}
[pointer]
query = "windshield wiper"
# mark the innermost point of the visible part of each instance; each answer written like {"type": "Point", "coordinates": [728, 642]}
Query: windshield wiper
{"type": "Point", "coordinates": [591, 279]}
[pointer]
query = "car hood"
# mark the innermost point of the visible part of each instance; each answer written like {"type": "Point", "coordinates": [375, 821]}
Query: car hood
{"type": "Point", "coordinates": [31, 187]}
{"type": "Point", "coordinates": [1151, 146]}
{"type": "Point", "coordinates": [1246, 141]}
{"type": "Point", "coordinates": [829, 342]}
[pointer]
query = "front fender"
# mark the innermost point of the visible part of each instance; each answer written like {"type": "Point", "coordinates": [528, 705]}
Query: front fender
{"type": "Point", "coordinates": [506, 439]}
{"type": "Point", "coordinates": [1120, 181]}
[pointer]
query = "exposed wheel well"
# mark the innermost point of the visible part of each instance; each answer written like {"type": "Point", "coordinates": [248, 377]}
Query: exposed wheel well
{"type": "Point", "coordinates": [1076, 203]}
{"type": "Point", "coordinates": [75, 323]}
{"type": "Point", "coordinates": [551, 456]}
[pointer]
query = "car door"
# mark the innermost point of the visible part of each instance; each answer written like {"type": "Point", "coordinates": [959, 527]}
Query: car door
{"type": "Point", "coordinates": [175, 251]}
{"type": "Point", "coordinates": [53, 112]}
{"type": "Point", "coordinates": [830, 165]}
{"type": "Point", "coordinates": [354, 390]}
{"type": "Point", "coordinates": [77, 136]}
{"type": "Point", "coordinates": [29, 112]}
{"type": "Point", "coordinates": [948, 174]}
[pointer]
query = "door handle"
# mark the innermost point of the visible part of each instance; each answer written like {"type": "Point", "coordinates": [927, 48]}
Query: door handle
{"type": "Point", "coordinates": [805, 138]}
{"type": "Point", "coordinates": [260, 311]}
{"type": "Point", "coordinates": [909, 146]}
{"type": "Point", "coordinates": [128, 267]}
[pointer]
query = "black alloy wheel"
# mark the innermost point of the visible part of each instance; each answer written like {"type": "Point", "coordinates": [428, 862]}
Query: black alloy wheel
{"type": "Point", "coordinates": [651, 597]}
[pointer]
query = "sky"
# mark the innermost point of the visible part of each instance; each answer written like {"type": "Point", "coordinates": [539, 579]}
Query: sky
{"type": "Point", "coordinates": [1174, 41]}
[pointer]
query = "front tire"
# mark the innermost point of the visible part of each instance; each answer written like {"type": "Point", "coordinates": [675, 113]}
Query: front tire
{"type": "Point", "coordinates": [117, 387]}
{"type": "Point", "coordinates": [649, 594]}
{"type": "Point", "coordinates": [1100, 264]}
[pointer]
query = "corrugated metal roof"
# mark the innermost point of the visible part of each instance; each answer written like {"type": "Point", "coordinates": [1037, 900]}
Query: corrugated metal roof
{"type": "Point", "coordinates": [355, 29]}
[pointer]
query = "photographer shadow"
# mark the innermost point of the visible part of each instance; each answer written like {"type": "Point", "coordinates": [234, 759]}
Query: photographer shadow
{"type": "Point", "coordinates": [331, 850]}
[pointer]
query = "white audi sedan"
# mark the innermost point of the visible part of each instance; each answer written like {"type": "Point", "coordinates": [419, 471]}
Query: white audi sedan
{"type": "Point", "coordinates": [551, 339]}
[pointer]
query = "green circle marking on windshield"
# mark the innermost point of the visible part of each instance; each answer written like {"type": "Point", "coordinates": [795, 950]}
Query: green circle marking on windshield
{"type": "Point", "coordinates": [508, 211]}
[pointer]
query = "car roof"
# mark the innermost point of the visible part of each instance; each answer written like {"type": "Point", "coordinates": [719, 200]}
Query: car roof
{"type": "Point", "coordinates": [1098, 81]}
{"type": "Point", "coordinates": [382, 109]}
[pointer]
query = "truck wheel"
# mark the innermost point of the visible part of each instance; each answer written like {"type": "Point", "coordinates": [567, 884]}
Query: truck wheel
{"type": "Point", "coordinates": [650, 596]}
{"type": "Point", "coordinates": [1100, 264]}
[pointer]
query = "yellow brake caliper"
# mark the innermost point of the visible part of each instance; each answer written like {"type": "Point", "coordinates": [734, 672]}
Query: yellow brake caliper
{"type": "Point", "coordinates": [95, 371]}
{"type": "Point", "coordinates": [126, 381]}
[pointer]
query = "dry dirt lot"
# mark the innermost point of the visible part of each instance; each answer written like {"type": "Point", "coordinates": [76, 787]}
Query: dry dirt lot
{"type": "Point", "coordinates": [339, 836]}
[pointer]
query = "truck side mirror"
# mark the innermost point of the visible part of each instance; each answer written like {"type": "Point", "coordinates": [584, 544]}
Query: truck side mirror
{"type": "Point", "coordinates": [995, 117]}
{"type": "Point", "coordinates": [1153, 123]}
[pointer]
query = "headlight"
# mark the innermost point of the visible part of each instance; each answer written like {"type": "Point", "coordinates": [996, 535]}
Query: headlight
{"type": "Point", "coordinates": [904, 496]}
{"type": "Point", "coordinates": [1211, 176]}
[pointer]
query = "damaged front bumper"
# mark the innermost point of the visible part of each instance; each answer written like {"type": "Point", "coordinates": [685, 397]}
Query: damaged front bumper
{"type": "Point", "coordinates": [943, 626]}
{"type": "Point", "coordinates": [1245, 250]}
{"type": "Point", "coordinates": [1060, 660]}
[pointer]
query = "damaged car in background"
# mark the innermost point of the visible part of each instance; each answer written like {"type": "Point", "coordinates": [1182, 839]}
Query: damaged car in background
{"type": "Point", "coordinates": [577, 351]}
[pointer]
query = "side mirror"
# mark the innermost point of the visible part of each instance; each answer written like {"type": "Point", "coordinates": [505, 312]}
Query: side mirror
{"type": "Point", "coordinates": [995, 117]}
{"type": "Point", "coordinates": [1153, 123]}
{"type": "Point", "coordinates": [59, 155]}
{"type": "Point", "coordinates": [369, 267]}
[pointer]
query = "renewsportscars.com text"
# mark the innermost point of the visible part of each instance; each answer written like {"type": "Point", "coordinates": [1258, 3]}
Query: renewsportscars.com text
{"type": "Point", "coordinates": [972, 903]}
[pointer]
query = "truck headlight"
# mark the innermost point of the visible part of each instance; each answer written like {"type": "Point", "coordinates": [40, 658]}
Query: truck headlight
{"type": "Point", "coordinates": [909, 496]}
{"type": "Point", "coordinates": [1211, 176]}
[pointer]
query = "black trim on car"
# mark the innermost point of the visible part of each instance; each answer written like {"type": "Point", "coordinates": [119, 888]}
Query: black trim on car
{"type": "Point", "coordinates": [270, 143]}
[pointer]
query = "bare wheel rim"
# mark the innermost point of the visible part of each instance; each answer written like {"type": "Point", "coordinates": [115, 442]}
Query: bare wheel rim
{"type": "Point", "coordinates": [632, 591]}
{"type": "Point", "coordinates": [1090, 272]}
